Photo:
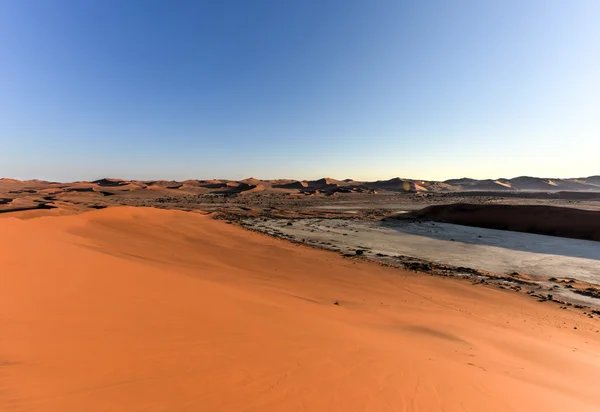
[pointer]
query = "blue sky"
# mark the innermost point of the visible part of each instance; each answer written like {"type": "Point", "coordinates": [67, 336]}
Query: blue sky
{"type": "Point", "coordinates": [299, 89]}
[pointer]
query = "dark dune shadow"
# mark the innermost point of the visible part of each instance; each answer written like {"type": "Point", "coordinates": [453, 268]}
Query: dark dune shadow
{"type": "Point", "coordinates": [21, 191]}
{"type": "Point", "coordinates": [80, 189]}
{"type": "Point", "coordinates": [543, 220]}
{"type": "Point", "coordinates": [41, 206]}
{"type": "Point", "coordinates": [109, 182]}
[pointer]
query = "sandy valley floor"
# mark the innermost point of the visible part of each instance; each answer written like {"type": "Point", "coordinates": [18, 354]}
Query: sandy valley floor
{"type": "Point", "coordinates": [138, 309]}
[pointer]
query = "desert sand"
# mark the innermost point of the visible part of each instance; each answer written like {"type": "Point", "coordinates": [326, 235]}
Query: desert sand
{"type": "Point", "coordinates": [139, 309]}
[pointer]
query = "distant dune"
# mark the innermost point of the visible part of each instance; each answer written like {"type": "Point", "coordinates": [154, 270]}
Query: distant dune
{"type": "Point", "coordinates": [526, 183]}
{"type": "Point", "coordinates": [396, 185]}
{"type": "Point", "coordinates": [78, 196]}
{"type": "Point", "coordinates": [252, 181]}
{"type": "Point", "coordinates": [109, 182]}
{"type": "Point", "coordinates": [595, 180]}
{"type": "Point", "coordinates": [140, 309]}
{"type": "Point", "coordinates": [331, 186]}
{"type": "Point", "coordinates": [291, 185]}
{"type": "Point", "coordinates": [167, 184]}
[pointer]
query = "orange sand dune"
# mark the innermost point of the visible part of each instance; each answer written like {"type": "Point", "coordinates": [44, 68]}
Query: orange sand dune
{"type": "Point", "coordinates": [127, 309]}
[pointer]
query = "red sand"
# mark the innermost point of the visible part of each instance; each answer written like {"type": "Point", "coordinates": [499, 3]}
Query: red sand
{"type": "Point", "coordinates": [127, 309]}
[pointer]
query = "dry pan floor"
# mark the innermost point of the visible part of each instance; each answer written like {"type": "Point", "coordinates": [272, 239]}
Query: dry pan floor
{"type": "Point", "coordinates": [136, 309]}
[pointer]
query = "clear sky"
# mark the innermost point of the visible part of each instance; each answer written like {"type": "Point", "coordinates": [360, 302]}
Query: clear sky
{"type": "Point", "coordinates": [367, 89]}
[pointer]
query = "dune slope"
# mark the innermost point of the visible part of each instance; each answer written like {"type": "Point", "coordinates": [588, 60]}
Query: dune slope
{"type": "Point", "coordinates": [544, 220]}
{"type": "Point", "coordinates": [134, 309]}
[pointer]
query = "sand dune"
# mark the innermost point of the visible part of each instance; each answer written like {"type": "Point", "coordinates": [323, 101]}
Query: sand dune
{"type": "Point", "coordinates": [291, 185]}
{"type": "Point", "coordinates": [109, 182]}
{"type": "Point", "coordinates": [251, 181]}
{"type": "Point", "coordinates": [136, 309]}
{"type": "Point", "coordinates": [545, 220]}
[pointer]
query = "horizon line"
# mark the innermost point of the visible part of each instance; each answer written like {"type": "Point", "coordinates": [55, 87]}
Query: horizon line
{"type": "Point", "coordinates": [300, 180]}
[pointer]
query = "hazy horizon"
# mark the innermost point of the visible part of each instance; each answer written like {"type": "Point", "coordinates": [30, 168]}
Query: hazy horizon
{"type": "Point", "coordinates": [431, 90]}
{"type": "Point", "coordinates": [289, 178]}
